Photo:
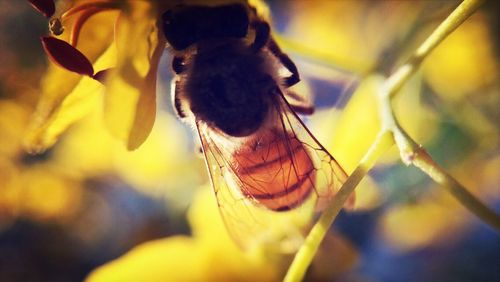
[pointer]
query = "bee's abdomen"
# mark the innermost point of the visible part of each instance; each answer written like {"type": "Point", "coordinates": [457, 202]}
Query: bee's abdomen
{"type": "Point", "coordinates": [278, 173]}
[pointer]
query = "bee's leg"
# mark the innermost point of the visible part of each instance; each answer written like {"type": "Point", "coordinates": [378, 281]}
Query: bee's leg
{"type": "Point", "coordinates": [262, 34]}
{"type": "Point", "coordinates": [198, 150]}
{"type": "Point", "coordinates": [299, 104]}
{"type": "Point", "coordinates": [178, 64]}
{"type": "Point", "coordinates": [306, 110]}
{"type": "Point", "coordinates": [176, 102]}
{"type": "Point", "coordinates": [286, 62]}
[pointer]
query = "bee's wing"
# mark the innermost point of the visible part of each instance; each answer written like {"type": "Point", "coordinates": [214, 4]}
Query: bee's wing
{"type": "Point", "coordinates": [249, 221]}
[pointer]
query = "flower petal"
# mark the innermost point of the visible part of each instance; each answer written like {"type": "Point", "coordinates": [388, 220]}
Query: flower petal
{"type": "Point", "coordinates": [177, 258]}
{"type": "Point", "coordinates": [358, 125]}
{"type": "Point", "coordinates": [55, 114]}
{"type": "Point", "coordinates": [356, 128]}
{"type": "Point", "coordinates": [130, 100]}
{"type": "Point", "coordinates": [46, 7]}
{"type": "Point", "coordinates": [57, 84]}
{"type": "Point", "coordinates": [44, 131]}
{"type": "Point", "coordinates": [67, 56]}
{"type": "Point", "coordinates": [183, 258]}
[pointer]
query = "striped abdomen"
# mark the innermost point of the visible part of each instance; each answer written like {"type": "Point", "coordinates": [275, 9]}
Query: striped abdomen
{"type": "Point", "coordinates": [277, 172]}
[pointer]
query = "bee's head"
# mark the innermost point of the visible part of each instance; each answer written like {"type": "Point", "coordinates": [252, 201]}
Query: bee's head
{"type": "Point", "coordinates": [185, 25]}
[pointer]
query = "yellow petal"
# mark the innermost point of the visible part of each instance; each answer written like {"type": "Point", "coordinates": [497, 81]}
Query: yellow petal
{"type": "Point", "coordinates": [464, 63]}
{"type": "Point", "coordinates": [36, 192]}
{"type": "Point", "coordinates": [87, 150]}
{"type": "Point", "coordinates": [45, 194]}
{"type": "Point", "coordinates": [349, 34]}
{"type": "Point", "coordinates": [417, 118]}
{"type": "Point", "coordinates": [204, 217]}
{"type": "Point", "coordinates": [347, 135]}
{"type": "Point", "coordinates": [52, 117]}
{"type": "Point", "coordinates": [182, 258]}
{"type": "Point", "coordinates": [58, 83]}
{"type": "Point", "coordinates": [208, 256]}
{"type": "Point", "coordinates": [130, 100]}
{"type": "Point", "coordinates": [434, 219]}
{"type": "Point", "coordinates": [173, 259]}
{"type": "Point", "coordinates": [357, 126]}
{"type": "Point", "coordinates": [13, 121]}
{"type": "Point", "coordinates": [172, 164]}
{"type": "Point", "coordinates": [368, 195]}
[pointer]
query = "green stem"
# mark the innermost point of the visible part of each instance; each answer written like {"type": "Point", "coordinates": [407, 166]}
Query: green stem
{"type": "Point", "coordinates": [423, 161]}
{"type": "Point", "coordinates": [307, 251]}
{"type": "Point", "coordinates": [454, 20]}
{"type": "Point", "coordinates": [392, 132]}
{"type": "Point", "coordinates": [411, 152]}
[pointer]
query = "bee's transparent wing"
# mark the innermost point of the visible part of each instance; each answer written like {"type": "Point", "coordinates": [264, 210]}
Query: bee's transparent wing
{"type": "Point", "coordinates": [329, 86]}
{"type": "Point", "coordinates": [249, 220]}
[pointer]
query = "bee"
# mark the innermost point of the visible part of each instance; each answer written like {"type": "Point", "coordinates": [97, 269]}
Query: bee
{"type": "Point", "coordinates": [266, 168]}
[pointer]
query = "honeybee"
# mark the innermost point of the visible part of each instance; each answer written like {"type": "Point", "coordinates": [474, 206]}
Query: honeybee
{"type": "Point", "coordinates": [269, 173]}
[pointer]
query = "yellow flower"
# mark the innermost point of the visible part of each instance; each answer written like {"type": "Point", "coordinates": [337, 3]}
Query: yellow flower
{"type": "Point", "coordinates": [30, 188]}
{"type": "Point", "coordinates": [86, 47]}
{"type": "Point", "coordinates": [460, 66]}
{"type": "Point", "coordinates": [211, 255]}
{"type": "Point", "coordinates": [116, 42]}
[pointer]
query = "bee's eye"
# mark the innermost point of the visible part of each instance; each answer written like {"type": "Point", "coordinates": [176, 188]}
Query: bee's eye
{"type": "Point", "coordinates": [178, 29]}
{"type": "Point", "coordinates": [187, 25]}
{"type": "Point", "coordinates": [167, 17]}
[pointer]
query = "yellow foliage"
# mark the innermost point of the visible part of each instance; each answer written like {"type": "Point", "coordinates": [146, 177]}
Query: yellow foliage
{"type": "Point", "coordinates": [47, 194]}
{"type": "Point", "coordinates": [164, 160]}
{"type": "Point", "coordinates": [347, 135]}
{"type": "Point", "coordinates": [210, 255]}
{"type": "Point", "coordinates": [51, 120]}
{"type": "Point", "coordinates": [464, 63]}
{"type": "Point", "coordinates": [162, 164]}
{"type": "Point", "coordinates": [353, 39]}
{"type": "Point", "coordinates": [357, 126]}
{"type": "Point", "coordinates": [413, 115]}
{"type": "Point", "coordinates": [13, 119]}
{"type": "Point", "coordinates": [54, 112]}
{"type": "Point", "coordinates": [436, 219]}
{"type": "Point", "coordinates": [38, 193]}
{"type": "Point", "coordinates": [368, 195]}
{"type": "Point", "coordinates": [130, 98]}
{"type": "Point", "coordinates": [87, 149]}
{"type": "Point", "coordinates": [52, 189]}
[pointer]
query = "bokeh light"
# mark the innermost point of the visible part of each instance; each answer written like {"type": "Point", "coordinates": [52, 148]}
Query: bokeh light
{"type": "Point", "coordinates": [88, 206]}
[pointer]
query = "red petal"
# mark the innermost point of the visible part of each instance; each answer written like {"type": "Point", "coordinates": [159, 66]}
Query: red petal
{"type": "Point", "coordinates": [46, 7]}
{"type": "Point", "coordinates": [67, 56]}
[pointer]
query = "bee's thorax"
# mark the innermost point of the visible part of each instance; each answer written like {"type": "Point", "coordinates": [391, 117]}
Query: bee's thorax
{"type": "Point", "coordinates": [228, 86]}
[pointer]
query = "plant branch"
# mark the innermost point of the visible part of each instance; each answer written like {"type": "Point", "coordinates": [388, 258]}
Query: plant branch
{"type": "Point", "coordinates": [438, 174]}
{"type": "Point", "coordinates": [307, 251]}
{"type": "Point", "coordinates": [410, 151]}
{"type": "Point", "coordinates": [454, 20]}
{"type": "Point", "coordinates": [414, 154]}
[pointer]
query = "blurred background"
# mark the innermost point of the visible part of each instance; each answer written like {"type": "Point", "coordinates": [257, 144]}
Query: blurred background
{"type": "Point", "coordinates": [87, 201]}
